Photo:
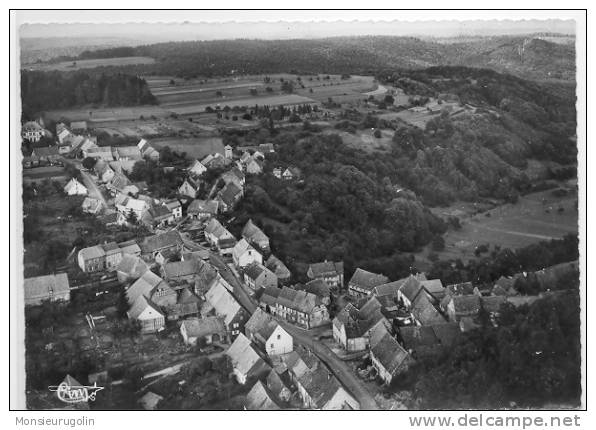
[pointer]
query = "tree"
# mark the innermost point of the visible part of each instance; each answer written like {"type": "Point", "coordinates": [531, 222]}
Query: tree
{"type": "Point", "coordinates": [89, 163]}
{"type": "Point", "coordinates": [389, 99]}
{"type": "Point", "coordinates": [131, 217]}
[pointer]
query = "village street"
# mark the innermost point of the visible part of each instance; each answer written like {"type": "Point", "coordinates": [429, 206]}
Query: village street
{"type": "Point", "coordinates": [305, 338]}
{"type": "Point", "coordinates": [92, 188]}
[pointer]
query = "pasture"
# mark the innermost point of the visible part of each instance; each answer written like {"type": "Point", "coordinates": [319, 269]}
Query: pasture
{"type": "Point", "coordinates": [68, 66]}
{"type": "Point", "coordinates": [534, 218]}
{"type": "Point", "coordinates": [364, 139]}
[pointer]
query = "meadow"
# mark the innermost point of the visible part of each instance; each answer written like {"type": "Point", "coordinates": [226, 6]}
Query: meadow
{"type": "Point", "coordinates": [68, 66]}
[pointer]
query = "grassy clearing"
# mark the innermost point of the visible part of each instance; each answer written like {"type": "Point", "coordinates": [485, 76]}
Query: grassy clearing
{"type": "Point", "coordinates": [535, 217]}
{"type": "Point", "coordinates": [194, 147]}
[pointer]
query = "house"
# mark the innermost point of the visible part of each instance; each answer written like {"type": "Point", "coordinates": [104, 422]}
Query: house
{"type": "Point", "coordinates": [113, 255]}
{"type": "Point", "coordinates": [277, 172]}
{"type": "Point", "coordinates": [330, 272]}
{"type": "Point", "coordinates": [228, 151]}
{"type": "Point", "coordinates": [297, 307]}
{"type": "Point", "coordinates": [254, 166]}
{"type": "Point", "coordinates": [279, 385]}
{"type": "Point", "coordinates": [213, 161]}
{"type": "Point", "coordinates": [161, 215]}
{"type": "Point", "coordinates": [32, 131]}
{"type": "Point", "coordinates": [459, 307]}
{"type": "Point", "coordinates": [78, 126]}
{"type": "Point", "coordinates": [246, 361]}
{"type": "Point", "coordinates": [352, 328]}
{"type": "Point", "coordinates": [202, 209]}
{"type": "Point", "coordinates": [257, 277]}
{"type": "Point", "coordinates": [49, 287]}
{"type": "Point", "coordinates": [428, 340]}
{"type": "Point", "coordinates": [504, 286]}
{"type": "Point", "coordinates": [62, 132]}
{"type": "Point", "coordinates": [177, 272]}
{"type": "Point", "coordinates": [206, 277]}
{"type": "Point", "coordinates": [48, 154]}
{"type": "Point", "coordinates": [155, 290]}
{"type": "Point", "coordinates": [92, 206]}
{"type": "Point", "coordinates": [103, 171]}
{"type": "Point", "coordinates": [150, 401]}
{"type": "Point", "coordinates": [363, 282]}
{"type": "Point", "coordinates": [147, 151]}
{"type": "Point", "coordinates": [434, 287]}
{"type": "Point", "coordinates": [83, 147]}
{"type": "Point", "coordinates": [130, 268]}
{"type": "Point", "coordinates": [188, 304]}
{"type": "Point", "coordinates": [255, 236]}
{"type": "Point", "coordinates": [290, 174]}
{"type": "Point", "coordinates": [319, 288]}
{"type": "Point", "coordinates": [229, 196]}
{"type": "Point", "coordinates": [92, 259]}
{"type": "Point", "coordinates": [409, 291]}
{"type": "Point", "coordinates": [189, 188]}
{"type": "Point", "coordinates": [147, 314]}
{"type": "Point", "coordinates": [265, 331]}
{"type": "Point", "coordinates": [244, 254]}
{"type": "Point", "coordinates": [75, 188]}
{"type": "Point", "coordinates": [277, 266]}
{"type": "Point", "coordinates": [424, 312]}
{"type": "Point", "coordinates": [128, 153]}
{"type": "Point", "coordinates": [260, 398]}
{"type": "Point", "coordinates": [128, 205]}
{"type": "Point", "coordinates": [113, 219]}
{"type": "Point", "coordinates": [130, 247]}
{"type": "Point", "coordinates": [389, 358]}
{"type": "Point", "coordinates": [219, 301]}
{"type": "Point", "coordinates": [151, 245]}
{"type": "Point", "coordinates": [197, 169]}
{"type": "Point", "coordinates": [119, 182]}
{"type": "Point", "coordinates": [99, 152]}
{"type": "Point", "coordinates": [218, 236]}
{"type": "Point", "coordinates": [462, 289]}
{"type": "Point", "coordinates": [266, 148]}
{"type": "Point", "coordinates": [234, 175]}
{"type": "Point", "coordinates": [175, 208]}
{"type": "Point", "coordinates": [203, 331]}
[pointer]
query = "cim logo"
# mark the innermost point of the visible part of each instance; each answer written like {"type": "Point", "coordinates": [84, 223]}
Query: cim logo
{"type": "Point", "coordinates": [69, 391]}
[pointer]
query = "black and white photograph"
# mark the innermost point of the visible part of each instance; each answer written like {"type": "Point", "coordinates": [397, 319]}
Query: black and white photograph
{"type": "Point", "coordinates": [298, 210]}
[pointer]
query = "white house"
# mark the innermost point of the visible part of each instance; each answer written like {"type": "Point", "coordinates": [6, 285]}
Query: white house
{"type": "Point", "coordinates": [75, 188]}
{"type": "Point", "coordinates": [244, 254]}
{"type": "Point", "coordinates": [197, 169]}
{"type": "Point", "coordinates": [266, 332]}
{"type": "Point", "coordinates": [246, 361]}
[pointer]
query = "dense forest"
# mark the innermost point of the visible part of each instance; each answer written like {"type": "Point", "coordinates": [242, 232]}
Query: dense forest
{"type": "Point", "coordinates": [344, 207]}
{"type": "Point", "coordinates": [531, 359]}
{"type": "Point", "coordinates": [540, 59]}
{"type": "Point", "coordinates": [59, 90]}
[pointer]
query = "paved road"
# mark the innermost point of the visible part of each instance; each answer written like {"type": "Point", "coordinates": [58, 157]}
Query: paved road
{"type": "Point", "coordinates": [305, 338]}
{"type": "Point", "coordinates": [92, 188]}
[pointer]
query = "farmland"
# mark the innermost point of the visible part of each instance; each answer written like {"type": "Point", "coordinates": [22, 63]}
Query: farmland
{"type": "Point", "coordinates": [67, 66]}
{"type": "Point", "coordinates": [40, 173]}
{"type": "Point", "coordinates": [535, 217]}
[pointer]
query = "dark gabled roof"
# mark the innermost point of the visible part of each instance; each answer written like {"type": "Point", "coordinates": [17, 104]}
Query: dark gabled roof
{"type": "Point", "coordinates": [278, 267]}
{"type": "Point", "coordinates": [160, 212]}
{"type": "Point", "coordinates": [425, 312]}
{"type": "Point", "coordinates": [492, 304]}
{"type": "Point", "coordinates": [469, 304]}
{"type": "Point", "coordinates": [159, 241]}
{"type": "Point", "coordinates": [253, 233]}
{"type": "Point", "coordinates": [318, 287]}
{"type": "Point", "coordinates": [367, 280]}
{"type": "Point", "coordinates": [447, 333]}
{"type": "Point", "coordinates": [254, 270]}
{"type": "Point", "coordinates": [229, 192]}
{"type": "Point", "coordinates": [260, 398]}
{"type": "Point", "coordinates": [327, 268]}
{"type": "Point", "coordinates": [199, 206]}
{"type": "Point", "coordinates": [411, 288]}
{"type": "Point", "coordinates": [176, 269]}
{"type": "Point", "coordinates": [390, 353]}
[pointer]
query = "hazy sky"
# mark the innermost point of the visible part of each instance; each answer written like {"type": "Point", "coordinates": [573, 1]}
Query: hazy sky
{"type": "Point", "coordinates": [201, 25]}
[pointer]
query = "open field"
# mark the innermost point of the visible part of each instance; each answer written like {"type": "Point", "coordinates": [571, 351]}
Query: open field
{"type": "Point", "coordinates": [534, 218]}
{"type": "Point", "coordinates": [111, 114]}
{"type": "Point", "coordinates": [364, 139]}
{"type": "Point", "coordinates": [194, 148]}
{"type": "Point", "coordinates": [66, 66]}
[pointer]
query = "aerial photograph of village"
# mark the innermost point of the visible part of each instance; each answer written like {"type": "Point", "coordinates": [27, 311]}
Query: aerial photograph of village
{"type": "Point", "coordinates": [225, 216]}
